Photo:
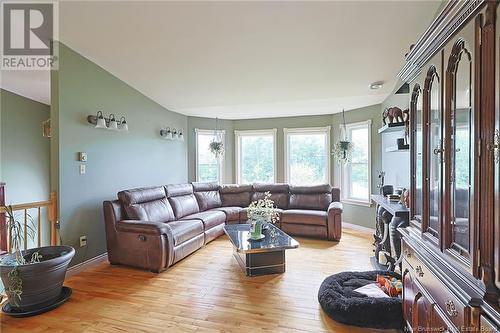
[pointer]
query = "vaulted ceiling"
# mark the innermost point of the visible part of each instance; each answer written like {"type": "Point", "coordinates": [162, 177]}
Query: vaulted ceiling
{"type": "Point", "coordinates": [248, 59]}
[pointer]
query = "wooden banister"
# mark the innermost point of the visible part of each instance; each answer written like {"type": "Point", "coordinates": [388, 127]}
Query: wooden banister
{"type": "Point", "coordinates": [3, 222]}
{"type": "Point", "coordinates": [6, 235]}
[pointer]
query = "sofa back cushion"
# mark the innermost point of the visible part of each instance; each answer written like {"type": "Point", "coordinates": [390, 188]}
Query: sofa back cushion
{"type": "Point", "coordinates": [146, 204]}
{"type": "Point", "coordinates": [182, 199]}
{"type": "Point", "coordinates": [316, 197]}
{"type": "Point", "coordinates": [207, 195]}
{"type": "Point", "coordinates": [279, 193]}
{"type": "Point", "coordinates": [236, 195]}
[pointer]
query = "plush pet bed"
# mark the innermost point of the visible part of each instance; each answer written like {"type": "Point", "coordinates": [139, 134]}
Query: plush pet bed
{"type": "Point", "coordinates": [341, 303]}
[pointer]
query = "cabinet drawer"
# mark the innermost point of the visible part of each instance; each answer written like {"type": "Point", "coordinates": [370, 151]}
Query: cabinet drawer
{"type": "Point", "coordinates": [455, 310]}
{"type": "Point", "coordinates": [408, 254]}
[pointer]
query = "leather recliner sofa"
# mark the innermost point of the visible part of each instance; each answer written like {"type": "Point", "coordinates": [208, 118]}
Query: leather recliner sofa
{"type": "Point", "coordinates": [155, 227]}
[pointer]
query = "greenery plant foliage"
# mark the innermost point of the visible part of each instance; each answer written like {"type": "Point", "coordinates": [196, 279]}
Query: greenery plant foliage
{"type": "Point", "coordinates": [263, 210]}
{"type": "Point", "coordinates": [216, 148]}
{"type": "Point", "coordinates": [14, 289]}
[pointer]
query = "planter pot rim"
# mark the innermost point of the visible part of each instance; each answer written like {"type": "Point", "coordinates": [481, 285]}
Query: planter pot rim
{"type": "Point", "coordinates": [70, 252]}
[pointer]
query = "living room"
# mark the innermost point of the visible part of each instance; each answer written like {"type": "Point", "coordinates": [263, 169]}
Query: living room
{"type": "Point", "coordinates": [249, 166]}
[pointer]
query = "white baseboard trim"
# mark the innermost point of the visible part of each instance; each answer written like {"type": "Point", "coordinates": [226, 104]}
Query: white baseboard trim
{"type": "Point", "coordinates": [348, 225]}
{"type": "Point", "coordinates": [78, 268]}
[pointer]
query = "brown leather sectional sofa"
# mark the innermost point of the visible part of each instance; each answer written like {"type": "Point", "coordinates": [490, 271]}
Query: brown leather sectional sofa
{"type": "Point", "coordinates": [155, 227]}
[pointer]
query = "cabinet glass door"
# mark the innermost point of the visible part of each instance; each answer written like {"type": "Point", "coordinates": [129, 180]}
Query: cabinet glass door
{"type": "Point", "coordinates": [461, 146]}
{"type": "Point", "coordinates": [435, 123]}
{"type": "Point", "coordinates": [417, 152]}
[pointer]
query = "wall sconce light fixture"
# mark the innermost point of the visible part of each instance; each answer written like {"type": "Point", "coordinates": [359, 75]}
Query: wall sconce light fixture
{"type": "Point", "coordinates": [99, 121]}
{"type": "Point", "coordinates": [171, 134]}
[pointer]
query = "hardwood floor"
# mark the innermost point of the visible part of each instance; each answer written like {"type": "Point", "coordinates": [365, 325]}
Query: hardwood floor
{"type": "Point", "coordinates": [206, 292]}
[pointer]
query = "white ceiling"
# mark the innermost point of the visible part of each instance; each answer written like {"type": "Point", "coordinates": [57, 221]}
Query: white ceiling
{"type": "Point", "coordinates": [240, 60]}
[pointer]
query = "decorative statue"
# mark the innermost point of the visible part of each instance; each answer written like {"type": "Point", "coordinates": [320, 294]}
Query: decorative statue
{"type": "Point", "coordinates": [406, 118]}
{"type": "Point", "coordinates": [391, 115]}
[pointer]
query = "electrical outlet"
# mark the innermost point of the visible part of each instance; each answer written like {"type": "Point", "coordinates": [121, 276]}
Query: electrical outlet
{"type": "Point", "coordinates": [83, 169]}
{"type": "Point", "coordinates": [83, 241]}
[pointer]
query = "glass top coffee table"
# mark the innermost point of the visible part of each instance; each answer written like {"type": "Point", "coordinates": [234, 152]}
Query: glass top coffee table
{"type": "Point", "coordinates": [260, 257]}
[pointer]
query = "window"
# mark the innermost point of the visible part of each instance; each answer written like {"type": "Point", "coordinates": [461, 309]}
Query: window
{"type": "Point", "coordinates": [255, 156]}
{"type": "Point", "coordinates": [208, 167]}
{"type": "Point", "coordinates": [307, 155]}
{"type": "Point", "coordinates": [356, 175]}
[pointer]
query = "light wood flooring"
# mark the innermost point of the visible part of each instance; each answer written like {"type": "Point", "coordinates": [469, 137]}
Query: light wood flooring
{"type": "Point", "coordinates": [206, 292]}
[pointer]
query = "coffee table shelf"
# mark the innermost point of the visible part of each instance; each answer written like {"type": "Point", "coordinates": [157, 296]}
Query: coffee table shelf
{"type": "Point", "coordinates": [262, 257]}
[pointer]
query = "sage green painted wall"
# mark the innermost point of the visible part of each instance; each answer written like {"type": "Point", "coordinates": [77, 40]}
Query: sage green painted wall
{"type": "Point", "coordinates": [116, 160]}
{"type": "Point", "coordinates": [25, 153]}
{"type": "Point", "coordinates": [355, 214]}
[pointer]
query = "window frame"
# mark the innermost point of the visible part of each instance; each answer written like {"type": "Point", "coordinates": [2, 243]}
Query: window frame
{"type": "Point", "coordinates": [304, 130]}
{"type": "Point", "coordinates": [238, 134]}
{"type": "Point", "coordinates": [199, 131]}
{"type": "Point", "coordinates": [344, 171]}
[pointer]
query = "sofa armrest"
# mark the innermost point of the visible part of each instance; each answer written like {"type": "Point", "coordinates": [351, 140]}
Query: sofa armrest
{"type": "Point", "coordinates": [334, 225]}
{"type": "Point", "coordinates": [143, 227]}
{"type": "Point", "coordinates": [335, 207]}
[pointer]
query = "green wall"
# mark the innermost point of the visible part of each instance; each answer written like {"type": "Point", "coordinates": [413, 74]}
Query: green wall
{"type": "Point", "coordinates": [25, 164]}
{"type": "Point", "coordinates": [25, 155]}
{"type": "Point", "coordinates": [116, 160]}
{"type": "Point", "coordinates": [355, 214]}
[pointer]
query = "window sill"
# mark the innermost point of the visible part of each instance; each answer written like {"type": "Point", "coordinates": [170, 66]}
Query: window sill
{"type": "Point", "coordinates": [357, 202]}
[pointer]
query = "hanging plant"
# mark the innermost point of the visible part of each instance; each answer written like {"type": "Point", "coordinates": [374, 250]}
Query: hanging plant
{"type": "Point", "coordinates": [342, 150]}
{"type": "Point", "coordinates": [216, 146]}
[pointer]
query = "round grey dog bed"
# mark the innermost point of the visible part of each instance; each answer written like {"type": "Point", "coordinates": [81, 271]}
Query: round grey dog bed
{"type": "Point", "coordinates": [341, 303]}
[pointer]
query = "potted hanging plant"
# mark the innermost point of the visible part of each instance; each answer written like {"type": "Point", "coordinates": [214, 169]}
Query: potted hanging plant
{"type": "Point", "coordinates": [216, 146]}
{"type": "Point", "coordinates": [342, 150]}
{"type": "Point", "coordinates": [261, 212]}
{"type": "Point", "coordinates": [33, 279]}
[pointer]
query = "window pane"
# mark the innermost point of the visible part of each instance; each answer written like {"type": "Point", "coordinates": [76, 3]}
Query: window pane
{"type": "Point", "coordinates": [359, 137]}
{"type": "Point", "coordinates": [359, 181]}
{"type": "Point", "coordinates": [356, 179]}
{"type": "Point", "coordinates": [208, 166]}
{"type": "Point", "coordinates": [307, 158]}
{"type": "Point", "coordinates": [256, 159]}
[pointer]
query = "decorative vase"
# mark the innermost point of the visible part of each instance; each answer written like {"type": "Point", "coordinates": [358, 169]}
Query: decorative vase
{"type": "Point", "coordinates": [256, 230]}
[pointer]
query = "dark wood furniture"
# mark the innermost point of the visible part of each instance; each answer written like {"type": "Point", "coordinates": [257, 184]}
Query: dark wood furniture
{"type": "Point", "coordinates": [451, 250]}
{"type": "Point", "coordinates": [388, 239]}
{"type": "Point", "coordinates": [261, 257]}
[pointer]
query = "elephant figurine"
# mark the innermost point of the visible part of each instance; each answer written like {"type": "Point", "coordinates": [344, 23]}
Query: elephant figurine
{"type": "Point", "coordinates": [391, 114]}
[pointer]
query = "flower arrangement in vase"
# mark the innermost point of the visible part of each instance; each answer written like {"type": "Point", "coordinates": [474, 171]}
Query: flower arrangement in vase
{"type": "Point", "coordinates": [261, 212]}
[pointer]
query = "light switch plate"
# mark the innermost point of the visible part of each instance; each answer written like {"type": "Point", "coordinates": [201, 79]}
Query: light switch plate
{"type": "Point", "coordinates": [82, 157]}
{"type": "Point", "coordinates": [83, 169]}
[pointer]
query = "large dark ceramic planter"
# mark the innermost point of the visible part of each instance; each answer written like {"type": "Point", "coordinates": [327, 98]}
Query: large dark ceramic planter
{"type": "Point", "coordinates": [41, 282]}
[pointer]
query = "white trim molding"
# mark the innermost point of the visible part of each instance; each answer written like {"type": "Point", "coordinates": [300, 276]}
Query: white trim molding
{"type": "Point", "coordinates": [304, 130]}
{"type": "Point", "coordinates": [344, 183]}
{"type": "Point", "coordinates": [237, 143]}
{"type": "Point", "coordinates": [198, 131]}
{"type": "Point", "coordinates": [80, 267]}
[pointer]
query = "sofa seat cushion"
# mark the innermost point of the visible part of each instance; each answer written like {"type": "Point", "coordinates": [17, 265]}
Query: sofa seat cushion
{"type": "Point", "coordinates": [210, 218]}
{"type": "Point", "coordinates": [185, 230]}
{"type": "Point", "coordinates": [301, 216]}
{"type": "Point", "coordinates": [232, 212]}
